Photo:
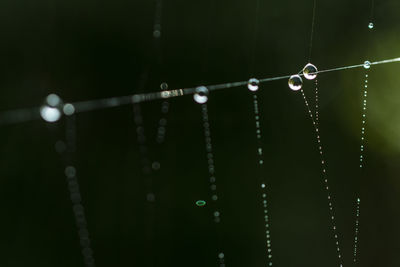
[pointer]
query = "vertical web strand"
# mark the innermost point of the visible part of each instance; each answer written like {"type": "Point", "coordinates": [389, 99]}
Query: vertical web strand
{"type": "Point", "coordinates": [312, 30]}
{"type": "Point", "coordinates": [332, 215]}
{"type": "Point", "coordinates": [75, 194]}
{"type": "Point", "coordinates": [148, 184]}
{"type": "Point", "coordinates": [260, 164]}
{"type": "Point", "coordinates": [362, 140]}
{"type": "Point", "coordinates": [315, 121]}
{"type": "Point", "coordinates": [361, 163]}
{"type": "Point", "coordinates": [212, 179]}
{"type": "Point", "coordinates": [253, 86]}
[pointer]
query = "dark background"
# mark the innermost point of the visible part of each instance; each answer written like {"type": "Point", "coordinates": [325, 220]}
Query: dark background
{"type": "Point", "coordinates": [85, 50]}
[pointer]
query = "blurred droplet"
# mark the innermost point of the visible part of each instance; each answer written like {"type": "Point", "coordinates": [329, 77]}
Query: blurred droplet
{"type": "Point", "coordinates": [200, 203]}
{"type": "Point", "coordinates": [69, 109]}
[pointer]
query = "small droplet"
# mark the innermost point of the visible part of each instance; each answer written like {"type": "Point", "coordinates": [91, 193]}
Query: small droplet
{"type": "Point", "coordinates": [156, 165]}
{"type": "Point", "coordinates": [309, 71]}
{"type": "Point", "coordinates": [164, 86]}
{"type": "Point", "coordinates": [295, 82]}
{"type": "Point", "coordinates": [69, 109]}
{"type": "Point", "coordinates": [371, 25]}
{"type": "Point", "coordinates": [367, 64]}
{"type": "Point", "coordinates": [51, 110]}
{"type": "Point", "coordinates": [151, 197]}
{"type": "Point", "coordinates": [70, 171]}
{"type": "Point", "coordinates": [200, 203]}
{"type": "Point", "coordinates": [201, 95]}
{"type": "Point", "coordinates": [358, 200]}
{"type": "Point", "coordinates": [253, 84]}
{"type": "Point", "coordinates": [156, 34]}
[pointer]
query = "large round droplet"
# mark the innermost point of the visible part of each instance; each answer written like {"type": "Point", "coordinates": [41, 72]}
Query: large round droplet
{"type": "Point", "coordinates": [253, 84]}
{"type": "Point", "coordinates": [200, 203]}
{"type": "Point", "coordinates": [51, 111]}
{"type": "Point", "coordinates": [371, 25]}
{"type": "Point", "coordinates": [295, 82]}
{"type": "Point", "coordinates": [201, 95]}
{"type": "Point", "coordinates": [310, 71]}
{"type": "Point", "coordinates": [367, 64]}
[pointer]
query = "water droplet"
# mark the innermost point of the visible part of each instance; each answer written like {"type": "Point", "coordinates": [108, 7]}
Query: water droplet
{"type": "Point", "coordinates": [156, 165]}
{"type": "Point", "coordinates": [309, 71]}
{"type": "Point", "coordinates": [200, 203]}
{"type": "Point", "coordinates": [295, 82]}
{"type": "Point", "coordinates": [253, 84]}
{"type": "Point", "coordinates": [156, 34]}
{"type": "Point", "coordinates": [201, 95]}
{"type": "Point", "coordinates": [367, 64]}
{"type": "Point", "coordinates": [358, 200]}
{"type": "Point", "coordinates": [51, 110]}
{"type": "Point", "coordinates": [164, 86]}
{"type": "Point", "coordinates": [371, 25]}
{"type": "Point", "coordinates": [151, 197]}
{"type": "Point", "coordinates": [69, 109]}
{"type": "Point", "coordinates": [70, 171]}
{"type": "Point", "coordinates": [221, 255]}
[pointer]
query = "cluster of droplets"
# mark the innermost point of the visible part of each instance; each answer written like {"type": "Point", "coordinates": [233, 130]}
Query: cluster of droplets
{"type": "Point", "coordinates": [324, 170]}
{"type": "Point", "coordinates": [80, 218]}
{"type": "Point", "coordinates": [309, 72]}
{"type": "Point", "coordinates": [367, 66]}
{"type": "Point", "coordinates": [356, 230]}
{"type": "Point", "coordinates": [157, 20]}
{"type": "Point", "coordinates": [53, 108]}
{"type": "Point", "coordinates": [316, 103]}
{"type": "Point", "coordinates": [145, 161]}
{"type": "Point", "coordinates": [363, 119]}
{"type": "Point", "coordinates": [210, 161]}
{"type": "Point", "coordinates": [162, 123]}
{"type": "Point", "coordinates": [253, 86]}
{"type": "Point", "coordinates": [211, 172]}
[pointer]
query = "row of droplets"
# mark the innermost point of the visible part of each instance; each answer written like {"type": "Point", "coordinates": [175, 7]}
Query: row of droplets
{"type": "Point", "coordinates": [315, 121]}
{"type": "Point", "coordinates": [211, 172]}
{"type": "Point", "coordinates": [310, 72]}
{"type": "Point", "coordinates": [361, 160]}
{"type": "Point", "coordinates": [295, 83]}
{"type": "Point", "coordinates": [53, 108]}
{"type": "Point", "coordinates": [260, 160]}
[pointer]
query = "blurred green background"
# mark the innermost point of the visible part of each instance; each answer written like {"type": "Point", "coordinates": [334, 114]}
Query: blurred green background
{"type": "Point", "coordinates": [93, 49]}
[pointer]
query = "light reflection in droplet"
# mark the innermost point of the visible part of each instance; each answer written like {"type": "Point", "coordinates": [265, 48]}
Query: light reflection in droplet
{"type": "Point", "coordinates": [201, 95]}
{"type": "Point", "coordinates": [295, 82]}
